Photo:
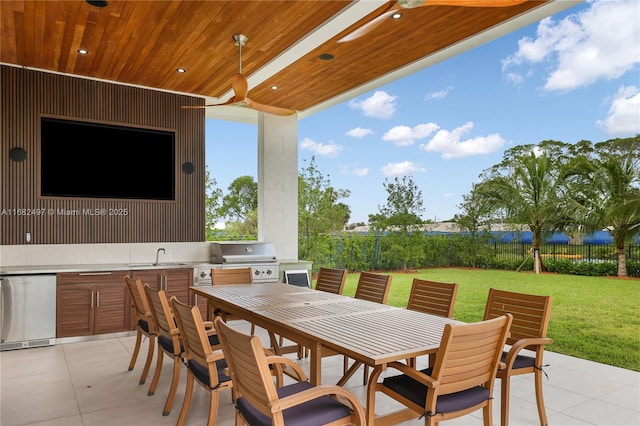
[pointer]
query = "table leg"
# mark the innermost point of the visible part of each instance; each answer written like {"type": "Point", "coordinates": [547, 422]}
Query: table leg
{"type": "Point", "coordinates": [315, 364]}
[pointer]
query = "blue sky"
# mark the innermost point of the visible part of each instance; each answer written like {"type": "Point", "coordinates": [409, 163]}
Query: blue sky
{"type": "Point", "coordinates": [570, 77]}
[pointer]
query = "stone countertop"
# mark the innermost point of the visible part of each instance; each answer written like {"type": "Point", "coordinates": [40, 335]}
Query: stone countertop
{"type": "Point", "coordinates": [54, 269]}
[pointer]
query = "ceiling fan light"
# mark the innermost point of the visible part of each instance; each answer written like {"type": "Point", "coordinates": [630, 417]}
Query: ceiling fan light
{"type": "Point", "coordinates": [396, 15]}
{"type": "Point", "coordinates": [83, 51]}
{"type": "Point", "coordinates": [181, 70]}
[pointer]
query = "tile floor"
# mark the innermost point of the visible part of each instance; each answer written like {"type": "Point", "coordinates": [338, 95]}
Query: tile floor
{"type": "Point", "coordinates": [87, 384]}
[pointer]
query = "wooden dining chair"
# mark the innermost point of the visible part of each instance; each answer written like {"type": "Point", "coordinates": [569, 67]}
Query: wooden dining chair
{"type": "Point", "coordinates": [432, 297]}
{"type": "Point", "coordinates": [374, 288]}
{"type": "Point", "coordinates": [528, 331]}
{"type": "Point", "coordinates": [205, 363]}
{"type": "Point", "coordinates": [169, 342]}
{"type": "Point", "coordinates": [228, 277]}
{"type": "Point", "coordinates": [260, 402]}
{"type": "Point", "coordinates": [331, 280]}
{"type": "Point", "coordinates": [460, 382]}
{"type": "Point", "coordinates": [144, 325]}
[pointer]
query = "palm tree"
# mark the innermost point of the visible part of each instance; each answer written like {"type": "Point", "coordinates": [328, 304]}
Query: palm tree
{"type": "Point", "coordinates": [611, 199]}
{"type": "Point", "coordinates": [525, 187]}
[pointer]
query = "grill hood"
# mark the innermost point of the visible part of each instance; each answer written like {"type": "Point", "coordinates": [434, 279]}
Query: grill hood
{"type": "Point", "coordinates": [243, 252]}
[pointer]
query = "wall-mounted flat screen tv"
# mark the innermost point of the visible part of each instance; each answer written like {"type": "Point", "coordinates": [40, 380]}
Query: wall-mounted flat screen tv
{"type": "Point", "coordinates": [93, 160]}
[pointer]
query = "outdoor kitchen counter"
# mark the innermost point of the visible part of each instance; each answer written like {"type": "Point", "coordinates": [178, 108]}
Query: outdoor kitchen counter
{"type": "Point", "coordinates": [54, 269]}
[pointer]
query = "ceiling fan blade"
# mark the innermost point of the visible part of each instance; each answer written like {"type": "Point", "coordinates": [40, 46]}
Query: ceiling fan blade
{"type": "Point", "coordinates": [367, 28]}
{"type": "Point", "coordinates": [268, 108]}
{"type": "Point", "coordinates": [408, 4]}
{"type": "Point", "coordinates": [229, 102]}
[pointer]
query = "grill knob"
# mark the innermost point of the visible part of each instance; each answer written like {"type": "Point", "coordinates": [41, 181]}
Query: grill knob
{"type": "Point", "coordinates": [203, 274]}
{"type": "Point", "coordinates": [256, 272]}
{"type": "Point", "coordinates": [269, 272]}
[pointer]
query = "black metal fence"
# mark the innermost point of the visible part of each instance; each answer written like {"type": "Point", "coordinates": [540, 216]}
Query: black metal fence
{"type": "Point", "coordinates": [553, 251]}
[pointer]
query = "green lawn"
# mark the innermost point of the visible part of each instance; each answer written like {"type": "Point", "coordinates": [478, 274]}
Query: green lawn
{"type": "Point", "coordinates": [595, 318]}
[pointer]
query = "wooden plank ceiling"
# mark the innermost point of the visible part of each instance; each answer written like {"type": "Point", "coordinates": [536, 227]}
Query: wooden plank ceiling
{"type": "Point", "coordinates": [144, 42]}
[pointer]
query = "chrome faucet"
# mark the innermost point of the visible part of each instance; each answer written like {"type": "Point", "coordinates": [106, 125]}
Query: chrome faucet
{"type": "Point", "coordinates": [158, 255]}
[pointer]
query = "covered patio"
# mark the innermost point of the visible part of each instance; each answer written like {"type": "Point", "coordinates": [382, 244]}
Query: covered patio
{"type": "Point", "coordinates": [87, 383]}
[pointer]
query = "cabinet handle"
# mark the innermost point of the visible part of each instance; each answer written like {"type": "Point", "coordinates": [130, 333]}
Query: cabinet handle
{"type": "Point", "coordinates": [98, 299]}
{"type": "Point", "coordinates": [85, 274]}
{"type": "Point", "coordinates": [92, 299]}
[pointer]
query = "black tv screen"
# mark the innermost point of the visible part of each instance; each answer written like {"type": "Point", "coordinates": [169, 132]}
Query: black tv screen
{"type": "Point", "coordinates": [92, 160]}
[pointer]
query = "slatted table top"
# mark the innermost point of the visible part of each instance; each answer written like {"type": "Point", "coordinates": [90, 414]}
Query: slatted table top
{"type": "Point", "coordinates": [370, 332]}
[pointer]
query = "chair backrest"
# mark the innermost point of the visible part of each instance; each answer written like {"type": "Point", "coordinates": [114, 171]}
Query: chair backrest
{"type": "Point", "coordinates": [161, 312]}
{"type": "Point", "coordinates": [193, 333]}
{"type": "Point", "coordinates": [250, 373]}
{"type": "Point", "coordinates": [530, 312]}
{"type": "Point", "coordinates": [331, 280]}
{"type": "Point", "coordinates": [298, 277]}
{"type": "Point", "coordinates": [433, 297]}
{"type": "Point", "coordinates": [232, 276]}
{"type": "Point", "coordinates": [373, 287]}
{"type": "Point", "coordinates": [468, 356]}
{"type": "Point", "coordinates": [139, 300]}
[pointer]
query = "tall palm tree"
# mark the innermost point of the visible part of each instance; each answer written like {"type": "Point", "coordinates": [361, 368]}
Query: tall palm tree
{"type": "Point", "coordinates": [525, 187]}
{"type": "Point", "coordinates": [613, 193]}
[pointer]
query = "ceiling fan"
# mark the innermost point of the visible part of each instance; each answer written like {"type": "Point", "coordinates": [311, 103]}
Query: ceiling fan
{"type": "Point", "coordinates": [240, 88]}
{"type": "Point", "coordinates": [396, 6]}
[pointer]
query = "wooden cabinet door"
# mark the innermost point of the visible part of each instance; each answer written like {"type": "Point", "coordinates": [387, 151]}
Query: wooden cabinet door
{"type": "Point", "coordinates": [153, 277]}
{"type": "Point", "coordinates": [92, 303]}
{"type": "Point", "coordinates": [74, 310]}
{"type": "Point", "coordinates": [111, 308]}
{"type": "Point", "coordinates": [201, 302]}
{"type": "Point", "coordinates": [177, 283]}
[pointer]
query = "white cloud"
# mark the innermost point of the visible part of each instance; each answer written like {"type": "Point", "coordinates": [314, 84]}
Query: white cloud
{"type": "Point", "coordinates": [449, 143]}
{"type": "Point", "coordinates": [324, 149]}
{"type": "Point", "coordinates": [401, 169]}
{"type": "Point", "coordinates": [361, 172]}
{"type": "Point", "coordinates": [438, 95]}
{"type": "Point", "coordinates": [379, 105]}
{"type": "Point", "coordinates": [359, 132]}
{"type": "Point", "coordinates": [623, 117]}
{"type": "Point", "coordinates": [601, 42]}
{"type": "Point", "coordinates": [405, 135]}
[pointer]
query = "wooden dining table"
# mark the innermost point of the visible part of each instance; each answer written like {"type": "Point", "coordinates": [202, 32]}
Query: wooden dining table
{"type": "Point", "coordinates": [369, 333]}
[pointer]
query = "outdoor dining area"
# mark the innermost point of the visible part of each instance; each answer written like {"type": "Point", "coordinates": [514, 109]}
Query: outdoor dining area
{"type": "Point", "coordinates": [290, 354]}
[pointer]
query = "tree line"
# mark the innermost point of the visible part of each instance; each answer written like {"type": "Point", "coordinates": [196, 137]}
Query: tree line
{"type": "Point", "coordinates": [548, 187]}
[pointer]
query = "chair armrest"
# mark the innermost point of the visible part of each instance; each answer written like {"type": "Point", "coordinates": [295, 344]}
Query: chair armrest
{"type": "Point", "coordinates": [523, 344]}
{"type": "Point", "coordinates": [341, 394]}
{"type": "Point", "coordinates": [414, 374]}
{"type": "Point", "coordinates": [291, 368]}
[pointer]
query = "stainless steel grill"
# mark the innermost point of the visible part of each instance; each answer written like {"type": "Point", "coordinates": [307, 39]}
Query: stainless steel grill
{"type": "Point", "coordinates": [260, 256]}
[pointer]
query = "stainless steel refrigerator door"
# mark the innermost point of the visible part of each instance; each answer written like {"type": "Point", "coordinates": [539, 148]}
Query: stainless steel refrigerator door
{"type": "Point", "coordinates": [28, 305]}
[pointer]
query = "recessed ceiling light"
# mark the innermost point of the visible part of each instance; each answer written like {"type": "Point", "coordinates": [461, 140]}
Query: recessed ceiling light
{"type": "Point", "coordinates": [181, 70]}
{"type": "Point", "coordinates": [83, 51]}
{"type": "Point", "coordinates": [98, 3]}
{"type": "Point", "coordinates": [274, 87]}
{"type": "Point", "coordinates": [326, 56]}
{"type": "Point", "coordinates": [396, 15]}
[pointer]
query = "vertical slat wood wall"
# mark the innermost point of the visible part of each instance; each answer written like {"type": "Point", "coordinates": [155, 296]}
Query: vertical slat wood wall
{"type": "Point", "coordinates": [27, 95]}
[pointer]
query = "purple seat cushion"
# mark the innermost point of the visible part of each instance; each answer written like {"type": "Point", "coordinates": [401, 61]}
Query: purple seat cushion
{"type": "Point", "coordinates": [416, 392]}
{"type": "Point", "coordinates": [318, 411]}
{"type": "Point", "coordinates": [522, 361]}
{"type": "Point", "coordinates": [143, 325]}
{"type": "Point", "coordinates": [167, 344]}
{"type": "Point", "coordinates": [202, 373]}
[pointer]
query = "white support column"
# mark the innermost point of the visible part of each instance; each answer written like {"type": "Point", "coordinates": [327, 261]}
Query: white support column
{"type": "Point", "coordinates": [278, 183]}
